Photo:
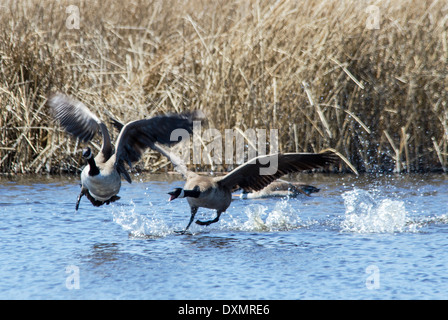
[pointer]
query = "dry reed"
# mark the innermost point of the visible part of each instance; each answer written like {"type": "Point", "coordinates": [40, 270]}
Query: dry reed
{"type": "Point", "coordinates": [314, 70]}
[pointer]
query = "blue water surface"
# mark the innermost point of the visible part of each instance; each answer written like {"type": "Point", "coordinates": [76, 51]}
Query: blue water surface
{"type": "Point", "coordinates": [368, 237]}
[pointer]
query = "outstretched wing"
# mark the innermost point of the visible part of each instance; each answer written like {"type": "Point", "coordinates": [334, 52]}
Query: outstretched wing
{"type": "Point", "coordinates": [73, 116]}
{"type": "Point", "coordinates": [136, 136]}
{"type": "Point", "coordinates": [250, 176]}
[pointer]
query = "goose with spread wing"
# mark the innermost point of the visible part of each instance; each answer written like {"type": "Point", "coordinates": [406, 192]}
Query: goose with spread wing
{"type": "Point", "coordinates": [216, 192]}
{"type": "Point", "coordinates": [101, 178]}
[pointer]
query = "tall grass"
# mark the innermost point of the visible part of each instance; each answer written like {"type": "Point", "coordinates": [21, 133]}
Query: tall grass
{"type": "Point", "coordinates": [314, 70]}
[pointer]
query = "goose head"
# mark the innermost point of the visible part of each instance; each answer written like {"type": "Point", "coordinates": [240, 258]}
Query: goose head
{"type": "Point", "coordinates": [176, 193]}
{"type": "Point", "coordinates": [181, 193]}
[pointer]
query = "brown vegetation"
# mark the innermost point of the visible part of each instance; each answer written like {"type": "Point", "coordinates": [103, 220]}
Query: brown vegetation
{"type": "Point", "coordinates": [314, 70]}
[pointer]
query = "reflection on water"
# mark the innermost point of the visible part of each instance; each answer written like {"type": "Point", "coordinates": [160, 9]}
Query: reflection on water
{"type": "Point", "coordinates": [103, 253]}
{"type": "Point", "coordinates": [210, 241]}
{"type": "Point", "coordinates": [305, 248]}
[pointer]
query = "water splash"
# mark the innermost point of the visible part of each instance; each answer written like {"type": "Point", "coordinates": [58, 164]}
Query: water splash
{"type": "Point", "coordinates": [139, 225]}
{"type": "Point", "coordinates": [258, 218]}
{"type": "Point", "coordinates": [281, 218]}
{"type": "Point", "coordinates": [367, 212]}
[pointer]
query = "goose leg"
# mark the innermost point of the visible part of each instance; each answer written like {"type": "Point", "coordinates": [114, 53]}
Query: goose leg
{"type": "Point", "coordinates": [83, 192]}
{"type": "Point", "coordinates": [193, 213]}
{"type": "Point", "coordinates": [209, 222]}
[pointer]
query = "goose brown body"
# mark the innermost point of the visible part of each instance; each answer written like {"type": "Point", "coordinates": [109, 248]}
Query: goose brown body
{"type": "Point", "coordinates": [212, 196]}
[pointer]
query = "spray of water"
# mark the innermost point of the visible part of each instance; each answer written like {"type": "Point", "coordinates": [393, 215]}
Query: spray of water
{"type": "Point", "coordinates": [367, 212]}
{"type": "Point", "coordinates": [282, 217]}
{"type": "Point", "coordinates": [138, 225]}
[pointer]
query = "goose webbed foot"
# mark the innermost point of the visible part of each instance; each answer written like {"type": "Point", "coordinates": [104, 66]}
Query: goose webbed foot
{"type": "Point", "coordinates": [183, 232]}
{"type": "Point", "coordinates": [209, 222]}
{"type": "Point", "coordinates": [98, 203]}
{"type": "Point", "coordinates": [206, 223]}
{"type": "Point", "coordinates": [112, 199]}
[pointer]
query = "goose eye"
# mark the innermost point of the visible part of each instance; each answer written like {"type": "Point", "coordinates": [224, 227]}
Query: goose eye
{"type": "Point", "coordinates": [86, 153]}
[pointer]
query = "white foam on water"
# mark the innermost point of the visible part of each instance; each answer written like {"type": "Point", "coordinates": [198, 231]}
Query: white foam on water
{"type": "Point", "coordinates": [261, 218]}
{"type": "Point", "coordinates": [255, 218]}
{"type": "Point", "coordinates": [367, 212]}
{"type": "Point", "coordinates": [139, 225]}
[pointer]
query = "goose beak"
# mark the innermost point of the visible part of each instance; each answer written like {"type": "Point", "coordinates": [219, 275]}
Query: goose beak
{"type": "Point", "coordinates": [173, 196]}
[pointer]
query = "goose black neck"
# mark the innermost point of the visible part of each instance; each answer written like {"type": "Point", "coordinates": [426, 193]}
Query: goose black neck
{"type": "Point", "coordinates": [94, 170]}
{"type": "Point", "coordinates": [192, 193]}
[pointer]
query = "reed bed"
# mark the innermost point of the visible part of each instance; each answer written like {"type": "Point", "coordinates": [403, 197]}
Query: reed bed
{"type": "Point", "coordinates": [322, 72]}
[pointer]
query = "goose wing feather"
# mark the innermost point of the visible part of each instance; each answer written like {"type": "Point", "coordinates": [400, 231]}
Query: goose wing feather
{"type": "Point", "coordinates": [136, 136]}
{"type": "Point", "coordinates": [247, 176]}
{"type": "Point", "coordinates": [73, 116]}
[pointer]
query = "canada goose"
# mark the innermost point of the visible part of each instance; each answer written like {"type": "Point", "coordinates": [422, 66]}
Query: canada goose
{"type": "Point", "coordinates": [101, 178]}
{"type": "Point", "coordinates": [216, 192]}
{"type": "Point", "coordinates": [280, 188]}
